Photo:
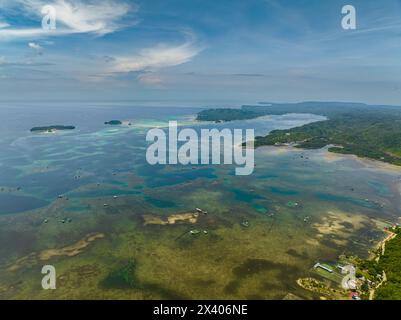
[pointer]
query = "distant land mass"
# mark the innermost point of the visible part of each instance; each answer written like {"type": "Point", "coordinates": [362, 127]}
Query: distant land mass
{"type": "Point", "coordinates": [370, 131]}
{"type": "Point", "coordinates": [52, 128]}
{"type": "Point", "coordinates": [224, 115]}
{"type": "Point", "coordinates": [114, 122]}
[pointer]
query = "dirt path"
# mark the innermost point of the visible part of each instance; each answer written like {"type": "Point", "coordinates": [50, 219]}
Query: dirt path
{"type": "Point", "coordinates": [382, 246]}
{"type": "Point", "coordinates": [372, 291]}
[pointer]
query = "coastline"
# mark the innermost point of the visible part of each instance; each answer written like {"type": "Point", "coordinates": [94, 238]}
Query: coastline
{"type": "Point", "coordinates": [381, 248]}
{"type": "Point", "coordinates": [333, 157]}
{"type": "Point", "coordinates": [328, 292]}
{"type": "Point", "coordinates": [367, 162]}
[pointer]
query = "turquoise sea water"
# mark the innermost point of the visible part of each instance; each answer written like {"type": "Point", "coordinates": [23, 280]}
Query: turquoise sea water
{"type": "Point", "coordinates": [43, 166]}
{"type": "Point", "coordinates": [107, 186]}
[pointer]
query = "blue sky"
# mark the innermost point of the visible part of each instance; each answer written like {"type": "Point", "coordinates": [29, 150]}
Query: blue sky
{"type": "Point", "coordinates": [201, 50]}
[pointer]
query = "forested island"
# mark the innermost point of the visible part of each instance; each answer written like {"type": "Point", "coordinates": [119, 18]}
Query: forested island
{"type": "Point", "coordinates": [114, 122]}
{"type": "Point", "coordinates": [371, 131]}
{"type": "Point", "coordinates": [52, 128]}
{"type": "Point", "coordinates": [224, 115]}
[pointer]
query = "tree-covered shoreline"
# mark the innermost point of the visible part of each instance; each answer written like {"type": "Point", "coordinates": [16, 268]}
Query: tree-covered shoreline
{"type": "Point", "coordinates": [52, 128]}
{"type": "Point", "coordinates": [370, 131]}
{"type": "Point", "coordinates": [390, 262]}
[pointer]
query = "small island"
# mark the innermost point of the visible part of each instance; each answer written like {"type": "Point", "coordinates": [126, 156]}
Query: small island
{"type": "Point", "coordinates": [114, 123]}
{"type": "Point", "coordinates": [51, 129]}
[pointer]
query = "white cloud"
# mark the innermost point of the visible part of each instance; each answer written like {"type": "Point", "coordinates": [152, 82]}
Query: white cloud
{"type": "Point", "coordinates": [72, 16]}
{"type": "Point", "coordinates": [150, 79]}
{"type": "Point", "coordinates": [156, 58]}
{"type": "Point", "coordinates": [3, 25]}
{"type": "Point", "coordinates": [34, 46]}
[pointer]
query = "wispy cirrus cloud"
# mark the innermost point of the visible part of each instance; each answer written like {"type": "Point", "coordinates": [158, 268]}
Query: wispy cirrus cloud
{"type": "Point", "coordinates": [21, 63]}
{"type": "Point", "coordinates": [73, 16]}
{"type": "Point", "coordinates": [150, 79]}
{"type": "Point", "coordinates": [155, 58]}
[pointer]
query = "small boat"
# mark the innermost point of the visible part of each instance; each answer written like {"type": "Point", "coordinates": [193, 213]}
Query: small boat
{"type": "Point", "coordinates": [194, 232]}
{"type": "Point", "coordinates": [201, 211]}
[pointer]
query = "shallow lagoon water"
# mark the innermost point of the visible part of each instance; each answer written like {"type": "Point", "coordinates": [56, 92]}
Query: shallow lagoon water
{"type": "Point", "coordinates": [342, 202]}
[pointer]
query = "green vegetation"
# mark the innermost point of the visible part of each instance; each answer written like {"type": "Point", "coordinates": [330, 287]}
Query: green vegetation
{"type": "Point", "coordinates": [366, 131]}
{"type": "Point", "coordinates": [114, 122]}
{"type": "Point", "coordinates": [372, 136]}
{"type": "Point", "coordinates": [322, 288]}
{"type": "Point", "coordinates": [369, 269]}
{"type": "Point", "coordinates": [383, 273]}
{"type": "Point", "coordinates": [390, 262]}
{"type": "Point", "coordinates": [52, 128]}
{"type": "Point", "coordinates": [219, 115]}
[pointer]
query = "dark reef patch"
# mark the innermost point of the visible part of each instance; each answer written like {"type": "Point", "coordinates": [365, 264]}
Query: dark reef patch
{"type": "Point", "coordinates": [21, 242]}
{"type": "Point", "coordinates": [121, 278]}
{"type": "Point", "coordinates": [296, 254]}
{"type": "Point", "coordinates": [347, 225]}
{"type": "Point", "coordinates": [125, 278]}
{"type": "Point", "coordinates": [232, 287]}
{"type": "Point", "coordinates": [160, 203]}
{"type": "Point", "coordinates": [10, 203]}
{"type": "Point", "coordinates": [254, 266]}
